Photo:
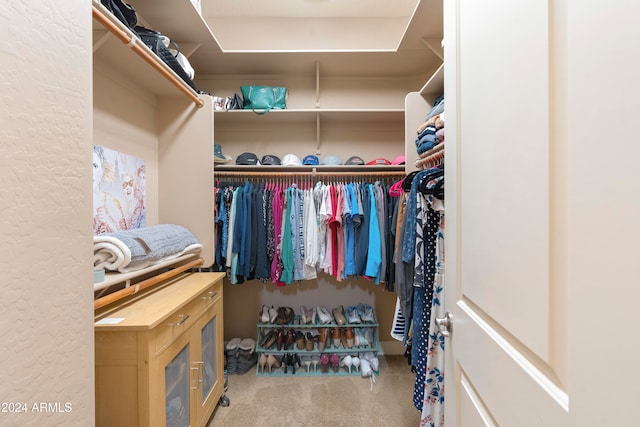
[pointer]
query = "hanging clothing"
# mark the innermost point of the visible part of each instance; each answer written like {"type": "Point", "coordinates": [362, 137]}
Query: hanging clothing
{"type": "Point", "coordinates": [433, 406]}
{"type": "Point", "coordinates": [286, 234]}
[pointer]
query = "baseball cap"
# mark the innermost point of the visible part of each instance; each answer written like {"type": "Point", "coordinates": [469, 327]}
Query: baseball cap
{"type": "Point", "coordinates": [379, 161]}
{"type": "Point", "coordinates": [270, 159]}
{"type": "Point", "coordinates": [247, 159]}
{"type": "Point", "coordinates": [399, 160]}
{"type": "Point", "coordinates": [291, 160]}
{"type": "Point", "coordinates": [354, 160]}
{"type": "Point", "coordinates": [331, 161]}
{"type": "Point", "coordinates": [310, 160]}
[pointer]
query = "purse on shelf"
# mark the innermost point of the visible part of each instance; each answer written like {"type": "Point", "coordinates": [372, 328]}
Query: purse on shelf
{"type": "Point", "coordinates": [157, 42]}
{"type": "Point", "coordinates": [234, 102]}
{"type": "Point", "coordinates": [265, 98]}
{"type": "Point", "coordinates": [123, 11]}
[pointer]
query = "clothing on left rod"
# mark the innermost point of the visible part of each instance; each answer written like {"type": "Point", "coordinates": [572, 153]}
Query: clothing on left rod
{"type": "Point", "coordinates": [288, 234]}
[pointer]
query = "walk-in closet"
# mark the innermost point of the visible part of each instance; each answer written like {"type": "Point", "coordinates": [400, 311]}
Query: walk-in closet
{"type": "Point", "coordinates": [319, 212]}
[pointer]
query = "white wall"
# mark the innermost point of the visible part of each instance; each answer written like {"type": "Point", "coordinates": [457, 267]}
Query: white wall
{"type": "Point", "coordinates": [46, 326]}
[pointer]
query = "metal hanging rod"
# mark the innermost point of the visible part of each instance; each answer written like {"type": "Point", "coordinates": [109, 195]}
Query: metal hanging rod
{"type": "Point", "coordinates": [311, 173]}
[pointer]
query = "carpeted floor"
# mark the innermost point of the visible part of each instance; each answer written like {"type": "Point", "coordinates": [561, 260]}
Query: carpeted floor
{"type": "Point", "coordinates": [322, 401]}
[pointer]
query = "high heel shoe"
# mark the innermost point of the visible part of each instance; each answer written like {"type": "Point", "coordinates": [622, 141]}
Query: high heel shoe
{"type": "Point", "coordinates": [306, 360]}
{"type": "Point", "coordinates": [263, 361]}
{"type": "Point", "coordinates": [347, 362]}
{"type": "Point", "coordinates": [355, 361]}
{"type": "Point", "coordinates": [294, 362]}
{"type": "Point", "coordinates": [272, 362]}
{"type": "Point", "coordinates": [286, 362]}
{"type": "Point", "coordinates": [324, 363]}
{"type": "Point", "coordinates": [315, 359]}
{"type": "Point", "coordinates": [335, 362]}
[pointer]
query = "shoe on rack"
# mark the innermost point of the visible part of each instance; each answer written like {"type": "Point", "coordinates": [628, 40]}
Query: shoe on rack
{"type": "Point", "coordinates": [324, 363]}
{"type": "Point", "coordinates": [263, 361]}
{"type": "Point", "coordinates": [273, 362]}
{"type": "Point", "coordinates": [352, 314]}
{"type": "Point", "coordinates": [315, 359]}
{"type": "Point", "coordinates": [336, 334]}
{"type": "Point", "coordinates": [307, 314]}
{"type": "Point", "coordinates": [280, 338]}
{"type": "Point", "coordinates": [373, 361]}
{"type": "Point", "coordinates": [365, 311]}
{"type": "Point", "coordinates": [347, 362]}
{"type": "Point", "coordinates": [355, 361]}
{"type": "Point", "coordinates": [324, 316]}
{"type": "Point", "coordinates": [288, 339]}
{"type": "Point", "coordinates": [273, 314]}
{"type": "Point", "coordinates": [306, 361]}
{"type": "Point", "coordinates": [335, 362]}
{"type": "Point", "coordinates": [299, 339]}
{"type": "Point", "coordinates": [310, 340]}
{"type": "Point", "coordinates": [323, 334]}
{"type": "Point", "coordinates": [264, 314]}
{"type": "Point", "coordinates": [269, 339]}
{"type": "Point", "coordinates": [365, 368]}
{"type": "Point", "coordinates": [348, 337]}
{"type": "Point", "coordinates": [338, 314]}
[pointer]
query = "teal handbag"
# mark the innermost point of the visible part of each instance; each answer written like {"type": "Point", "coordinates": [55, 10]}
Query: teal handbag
{"type": "Point", "coordinates": [265, 98]}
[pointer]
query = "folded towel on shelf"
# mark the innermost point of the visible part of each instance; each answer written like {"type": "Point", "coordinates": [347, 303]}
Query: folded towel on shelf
{"type": "Point", "coordinates": [131, 250]}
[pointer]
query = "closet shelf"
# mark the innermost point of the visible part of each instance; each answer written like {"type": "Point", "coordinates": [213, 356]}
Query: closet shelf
{"type": "Point", "coordinates": [370, 116]}
{"type": "Point", "coordinates": [116, 45]}
{"type": "Point", "coordinates": [313, 171]}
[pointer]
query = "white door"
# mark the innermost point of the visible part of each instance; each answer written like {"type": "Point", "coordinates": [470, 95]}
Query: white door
{"type": "Point", "coordinates": [542, 213]}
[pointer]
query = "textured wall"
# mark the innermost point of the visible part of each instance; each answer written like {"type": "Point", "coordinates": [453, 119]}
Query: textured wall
{"type": "Point", "coordinates": [46, 325]}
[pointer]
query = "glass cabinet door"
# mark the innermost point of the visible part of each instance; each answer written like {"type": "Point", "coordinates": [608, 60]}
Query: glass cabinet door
{"type": "Point", "coordinates": [208, 354]}
{"type": "Point", "coordinates": [209, 358]}
{"type": "Point", "coordinates": [177, 388]}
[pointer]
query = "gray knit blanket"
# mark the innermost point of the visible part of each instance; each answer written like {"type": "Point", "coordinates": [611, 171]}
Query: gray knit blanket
{"type": "Point", "coordinates": [131, 250]}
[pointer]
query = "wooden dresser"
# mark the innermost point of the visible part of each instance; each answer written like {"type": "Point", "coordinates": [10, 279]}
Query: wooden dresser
{"type": "Point", "coordinates": [159, 359]}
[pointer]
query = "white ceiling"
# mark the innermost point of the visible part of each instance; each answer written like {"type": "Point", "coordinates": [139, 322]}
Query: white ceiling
{"type": "Point", "coordinates": [311, 8]}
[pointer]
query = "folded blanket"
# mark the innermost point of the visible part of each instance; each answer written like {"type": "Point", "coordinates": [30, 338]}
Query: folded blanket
{"type": "Point", "coordinates": [131, 250]}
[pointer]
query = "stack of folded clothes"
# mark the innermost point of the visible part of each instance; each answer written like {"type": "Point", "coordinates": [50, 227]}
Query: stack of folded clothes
{"type": "Point", "coordinates": [431, 131]}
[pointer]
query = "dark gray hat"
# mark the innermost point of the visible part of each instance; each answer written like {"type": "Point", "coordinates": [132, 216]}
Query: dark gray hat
{"type": "Point", "coordinates": [269, 159]}
{"type": "Point", "coordinates": [247, 159]}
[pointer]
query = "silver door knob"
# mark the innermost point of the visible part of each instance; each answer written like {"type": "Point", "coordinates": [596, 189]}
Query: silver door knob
{"type": "Point", "coordinates": [444, 324]}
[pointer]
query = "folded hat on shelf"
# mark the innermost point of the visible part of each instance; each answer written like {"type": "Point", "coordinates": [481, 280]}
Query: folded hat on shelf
{"type": "Point", "coordinates": [331, 161]}
{"type": "Point", "coordinates": [291, 160]}
{"type": "Point", "coordinates": [247, 159]}
{"type": "Point", "coordinates": [399, 160]}
{"type": "Point", "coordinates": [354, 160]}
{"type": "Point", "coordinates": [379, 161]}
{"type": "Point", "coordinates": [310, 160]}
{"type": "Point", "coordinates": [270, 159]}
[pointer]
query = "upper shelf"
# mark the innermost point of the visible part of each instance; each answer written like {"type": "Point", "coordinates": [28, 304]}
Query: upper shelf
{"type": "Point", "coordinates": [334, 116]}
{"type": "Point", "coordinates": [116, 47]}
